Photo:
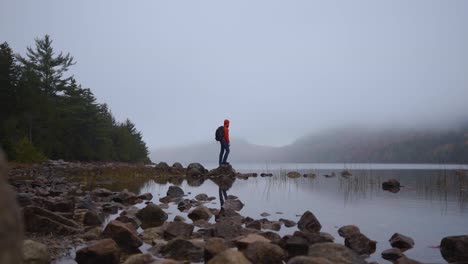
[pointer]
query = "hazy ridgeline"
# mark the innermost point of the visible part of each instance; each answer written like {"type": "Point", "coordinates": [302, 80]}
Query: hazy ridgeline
{"type": "Point", "coordinates": [46, 114]}
{"type": "Point", "coordinates": [346, 145]}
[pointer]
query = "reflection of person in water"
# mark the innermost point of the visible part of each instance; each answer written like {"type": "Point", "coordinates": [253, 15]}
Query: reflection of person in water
{"type": "Point", "coordinates": [222, 196]}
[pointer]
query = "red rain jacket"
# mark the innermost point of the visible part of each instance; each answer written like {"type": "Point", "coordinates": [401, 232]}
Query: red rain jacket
{"type": "Point", "coordinates": [226, 131]}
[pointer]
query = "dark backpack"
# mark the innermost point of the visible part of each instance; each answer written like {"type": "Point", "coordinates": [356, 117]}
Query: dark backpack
{"type": "Point", "coordinates": [219, 133]}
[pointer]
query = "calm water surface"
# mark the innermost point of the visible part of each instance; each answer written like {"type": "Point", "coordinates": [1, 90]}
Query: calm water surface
{"type": "Point", "coordinates": [433, 204]}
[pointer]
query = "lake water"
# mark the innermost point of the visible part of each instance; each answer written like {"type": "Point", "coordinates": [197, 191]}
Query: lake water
{"type": "Point", "coordinates": [433, 204]}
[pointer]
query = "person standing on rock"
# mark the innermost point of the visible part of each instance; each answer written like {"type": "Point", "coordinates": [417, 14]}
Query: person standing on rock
{"type": "Point", "coordinates": [222, 135]}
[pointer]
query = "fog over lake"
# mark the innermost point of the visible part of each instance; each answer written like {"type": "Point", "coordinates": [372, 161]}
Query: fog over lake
{"type": "Point", "coordinates": [277, 70]}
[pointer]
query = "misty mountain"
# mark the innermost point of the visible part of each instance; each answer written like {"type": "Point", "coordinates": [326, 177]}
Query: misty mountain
{"type": "Point", "coordinates": [347, 145]}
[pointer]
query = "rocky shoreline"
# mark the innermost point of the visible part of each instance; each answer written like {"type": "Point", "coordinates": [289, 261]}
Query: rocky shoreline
{"type": "Point", "coordinates": [62, 211]}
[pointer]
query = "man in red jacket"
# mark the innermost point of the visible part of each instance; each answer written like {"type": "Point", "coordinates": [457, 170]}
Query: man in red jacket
{"type": "Point", "coordinates": [225, 143]}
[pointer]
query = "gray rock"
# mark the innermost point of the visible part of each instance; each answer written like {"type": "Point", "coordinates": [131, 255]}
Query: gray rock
{"type": "Point", "coordinates": [231, 204]}
{"type": "Point", "coordinates": [35, 253]}
{"type": "Point", "coordinates": [288, 223]}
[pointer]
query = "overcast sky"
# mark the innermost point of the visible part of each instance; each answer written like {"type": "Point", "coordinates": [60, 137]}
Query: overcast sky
{"type": "Point", "coordinates": [276, 69]}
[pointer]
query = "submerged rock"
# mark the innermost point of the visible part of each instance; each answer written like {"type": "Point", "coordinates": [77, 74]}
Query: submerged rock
{"type": "Point", "coordinates": [401, 242]}
{"type": "Point", "coordinates": [454, 248]}
{"type": "Point", "coordinates": [35, 253]}
{"type": "Point", "coordinates": [103, 251]}
{"type": "Point", "coordinates": [309, 223]}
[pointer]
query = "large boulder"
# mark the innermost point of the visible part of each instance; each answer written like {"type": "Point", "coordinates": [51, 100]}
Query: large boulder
{"type": "Point", "coordinates": [335, 253]}
{"type": "Point", "coordinates": [175, 191]}
{"type": "Point", "coordinates": [264, 253]}
{"type": "Point", "coordinates": [39, 220]}
{"type": "Point", "coordinates": [178, 229]}
{"type": "Point", "coordinates": [195, 170]}
{"type": "Point", "coordinates": [454, 248]}
{"type": "Point", "coordinates": [151, 216]}
{"type": "Point", "coordinates": [401, 242]}
{"type": "Point", "coordinates": [229, 256]}
{"type": "Point", "coordinates": [223, 170]}
{"type": "Point", "coordinates": [181, 249]}
{"type": "Point", "coordinates": [123, 234]}
{"type": "Point", "coordinates": [103, 251]}
{"type": "Point", "coordinates": [309, 223]}
{"type": "Point", "coordinates": [35, 253]}
{"type": "Point", "coordinates": [213, 247]}
{"type": "Point", "coordinates": [200, 212]}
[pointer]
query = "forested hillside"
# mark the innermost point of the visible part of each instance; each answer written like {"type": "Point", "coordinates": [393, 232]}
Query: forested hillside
{"type": "Point", "coordinates": [45, 113]}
